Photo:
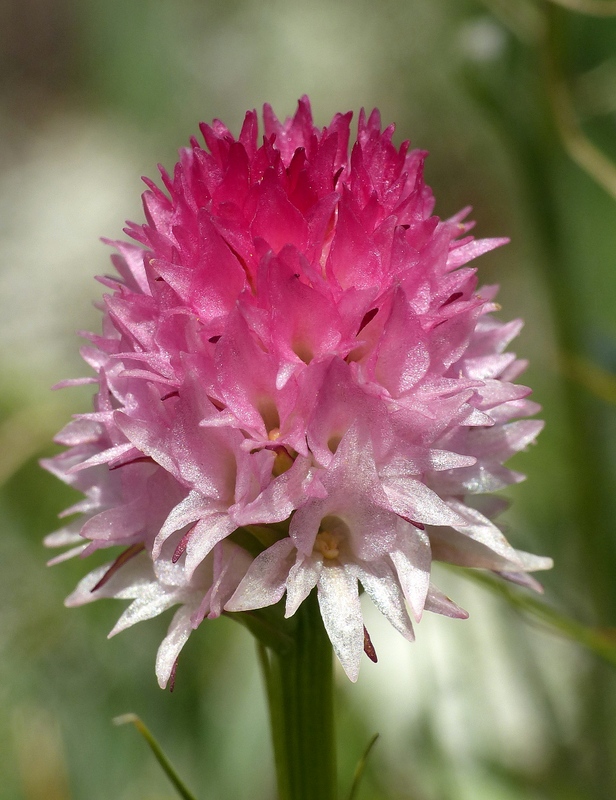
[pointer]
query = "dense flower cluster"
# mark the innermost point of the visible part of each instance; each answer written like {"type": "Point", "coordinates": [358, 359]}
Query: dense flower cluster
{"type": "Point", "coordinates": [294, 354]}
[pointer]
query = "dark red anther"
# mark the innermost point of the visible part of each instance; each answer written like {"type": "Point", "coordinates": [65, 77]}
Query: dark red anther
{"type": "Point", "coordinates": [137, 460]}
{"type": "Point", "coordinates": [369, 647]}
{"type": "Point", "coordinates": [119, 562]}
{"type": "Point", "coordinates": [174, 668]}
{"type": "Point", "coordinates": [213, 339]}
{"type": "Point", "coordinates": [179, 550]}
{"type": "Point", "coordinates": [412, 522]}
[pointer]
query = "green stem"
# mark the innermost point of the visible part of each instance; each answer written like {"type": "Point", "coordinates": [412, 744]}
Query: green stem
{"type": "Point", "coordinates": [299, 683]}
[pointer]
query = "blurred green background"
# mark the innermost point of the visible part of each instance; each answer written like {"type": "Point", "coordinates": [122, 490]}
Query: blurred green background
{"type": "Point", "coordinates": [92, 95]}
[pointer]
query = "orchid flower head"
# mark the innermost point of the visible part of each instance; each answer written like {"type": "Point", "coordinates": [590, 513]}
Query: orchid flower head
{"type": "Point", "coordinates": [294, 344]}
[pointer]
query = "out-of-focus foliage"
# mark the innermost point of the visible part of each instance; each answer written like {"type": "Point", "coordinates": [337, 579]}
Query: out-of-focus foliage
{"type": "Point", "coordinates": [92, 95]}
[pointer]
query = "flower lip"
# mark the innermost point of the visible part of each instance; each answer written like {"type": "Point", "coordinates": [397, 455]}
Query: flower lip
{"type": "Point", "coordinates": [271, 418]}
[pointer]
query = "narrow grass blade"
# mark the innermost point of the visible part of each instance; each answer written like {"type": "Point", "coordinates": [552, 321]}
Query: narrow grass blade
{"type": "Point", "coordinates": [361, 766]}
{"type": "Point", "coordinates": [601, 642]}
{"type": "Point", "coordinates": [158, 753]}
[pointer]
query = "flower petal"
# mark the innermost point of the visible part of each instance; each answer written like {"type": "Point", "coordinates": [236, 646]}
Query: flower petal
{"type": "Point", "coordinates": [169, 650]}
{"type": "Point", "coordinates": [265, 581]}
{"type": "Point", "coordinates": [341, 611]}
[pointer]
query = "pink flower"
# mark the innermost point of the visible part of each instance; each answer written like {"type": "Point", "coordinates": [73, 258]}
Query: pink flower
{"type": "Point", "coordinates": [295, 352]}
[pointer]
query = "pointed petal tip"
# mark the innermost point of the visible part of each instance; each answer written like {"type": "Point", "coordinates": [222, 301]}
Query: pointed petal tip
{"type": "Point", "coordinates": [352, 672]}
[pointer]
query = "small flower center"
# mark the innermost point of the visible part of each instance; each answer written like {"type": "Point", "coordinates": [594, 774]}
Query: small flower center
{"type": "Point", "coordinates": [303, 351]}
{"type": "Point", "coordinates": [284, 459]}
{"type": "Point", "coordinates": [333, 442]}
{"type": "Point", "coordinates": [269, 413]}
{"type": "Point", "coordinates": [327, 544]}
